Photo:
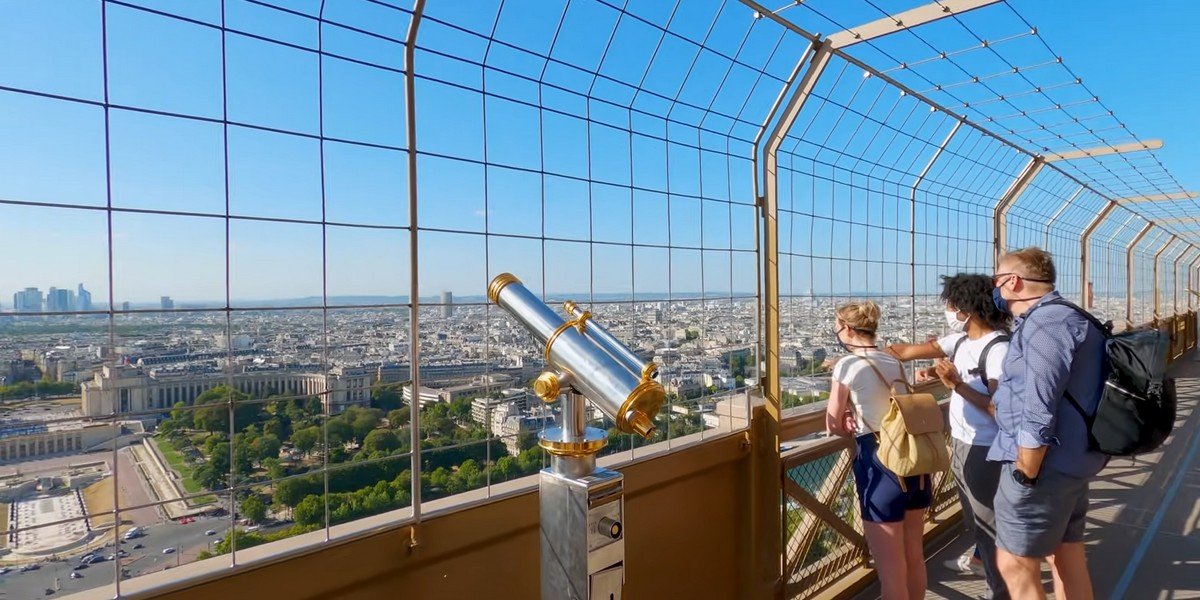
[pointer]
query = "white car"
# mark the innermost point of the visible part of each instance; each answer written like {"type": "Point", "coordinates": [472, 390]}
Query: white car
{"type": "Point", "coordinates": [168, 551]}
{"type": "Point", "coordinates": [211, 532]}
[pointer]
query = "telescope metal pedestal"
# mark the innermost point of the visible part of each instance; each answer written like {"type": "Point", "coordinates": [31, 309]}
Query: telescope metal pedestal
{"type": "Point", "coordinates": [582, 513]}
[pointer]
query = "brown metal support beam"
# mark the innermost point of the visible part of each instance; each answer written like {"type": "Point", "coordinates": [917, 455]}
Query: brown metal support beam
{"type": "Point", "coordinates": [1138, 146]}
{"type": "Point", "coordinates": [1085, 252]}
{"type": "Point", "coordinates": [768, 516]}
{"type": "Point", "coordinates": [1158, 284]}
{"type": "Point", "coordinates": [1175, 273]}
{"type": "Point", "coordinates": [1058, 213]}
{"type": "Point", "coordinates": [1130, 276]}
{"type": "Point", "coordinates": [1014, 191]}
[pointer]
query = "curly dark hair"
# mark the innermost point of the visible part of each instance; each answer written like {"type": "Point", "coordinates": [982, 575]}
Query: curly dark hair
{"type": "Point", "coordinates": [972, 293]}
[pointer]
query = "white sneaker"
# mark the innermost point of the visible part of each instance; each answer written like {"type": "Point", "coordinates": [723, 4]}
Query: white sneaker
{"type": "Point", "coordinates": [966, 564]}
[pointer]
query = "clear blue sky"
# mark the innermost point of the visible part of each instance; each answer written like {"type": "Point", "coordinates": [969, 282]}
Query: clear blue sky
{"type": "Point", "coordinates": [54, 150]}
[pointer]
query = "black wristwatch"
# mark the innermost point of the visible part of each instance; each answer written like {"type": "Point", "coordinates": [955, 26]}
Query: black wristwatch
{"type": "Point", "coordinates": [1023, 479]}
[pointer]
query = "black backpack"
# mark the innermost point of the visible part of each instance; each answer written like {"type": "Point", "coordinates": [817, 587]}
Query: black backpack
{"type": "Point", "coordinates": [1136, 411]}
{"type": "Point", "coordinates": [980, 370]}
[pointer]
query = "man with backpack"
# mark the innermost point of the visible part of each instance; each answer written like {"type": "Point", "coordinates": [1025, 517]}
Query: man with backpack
{"type": "Point", "coordinates": [1043, 442]}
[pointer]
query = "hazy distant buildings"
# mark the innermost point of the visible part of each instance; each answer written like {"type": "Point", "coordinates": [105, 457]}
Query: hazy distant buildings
{"type": "Point", "coordinates": [60, 300]}
{"type": "Point", "coordinates": [447, 305]}
{"type": "Point", "coordinates": [83, 298]}
{"type": "Point", "coordinates": [28, 300]}
{"type": "Point", "coordinates": [166, 303]}
{"type": "Point", "coordinates": [125, 306]}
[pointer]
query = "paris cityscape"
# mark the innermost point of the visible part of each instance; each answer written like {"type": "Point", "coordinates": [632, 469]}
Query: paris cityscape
{"type": "Point", "coordinates": [325, 392]}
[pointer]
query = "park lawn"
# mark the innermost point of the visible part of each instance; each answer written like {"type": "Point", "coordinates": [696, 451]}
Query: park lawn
{"type": "Point", "coordinates": [171, 453]}
{"type": "Point", "coordinates": [3, 524]}
{"type": "Point", "coordinates": [99, 500]}
{"type": "Point", "coordinates": [176, 461]}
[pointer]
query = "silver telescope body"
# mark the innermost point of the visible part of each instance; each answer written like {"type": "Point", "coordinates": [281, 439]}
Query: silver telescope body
{"type": "Point", "coordinates": [646, 369]}
{"type": "Point", "coordinates": [583, 356]}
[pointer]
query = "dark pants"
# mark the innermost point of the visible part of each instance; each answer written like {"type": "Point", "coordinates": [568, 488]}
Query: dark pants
{"type": "Point", "coordinates": [977, 479]}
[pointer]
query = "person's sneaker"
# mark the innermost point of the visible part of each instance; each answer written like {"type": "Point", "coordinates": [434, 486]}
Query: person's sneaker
{"type": "Point", "coordinates": [966, 564]}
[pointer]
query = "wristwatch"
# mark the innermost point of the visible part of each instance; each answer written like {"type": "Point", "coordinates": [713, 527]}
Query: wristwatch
{"type": "Point", "coordinates": [1023, 479]}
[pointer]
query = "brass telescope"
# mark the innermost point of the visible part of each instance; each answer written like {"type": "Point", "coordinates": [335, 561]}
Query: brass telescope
{"type": "Point", "coordinates": [582, 506]}
{"type": "Point", "coordinates": [581, 354]}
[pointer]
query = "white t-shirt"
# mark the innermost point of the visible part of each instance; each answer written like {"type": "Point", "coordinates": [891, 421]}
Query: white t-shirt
{"type": "Point", "coordinates": [870, 396]}
{"type": "Point", "coordinates": [969, 424]}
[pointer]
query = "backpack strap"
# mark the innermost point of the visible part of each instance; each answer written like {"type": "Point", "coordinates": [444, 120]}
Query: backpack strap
{"type": "Point", "coordinates": [890, 386]}
{"type": "Point", "coordinates": [957, 345]}
{"type": "Point", "coordinates": [1105, 328]}
{"type": "Point", "coordinates": [981, 370]}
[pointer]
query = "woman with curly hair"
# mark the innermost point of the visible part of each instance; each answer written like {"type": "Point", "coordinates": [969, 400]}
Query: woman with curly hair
{"type": "Point", "coordinates": [969, 361]}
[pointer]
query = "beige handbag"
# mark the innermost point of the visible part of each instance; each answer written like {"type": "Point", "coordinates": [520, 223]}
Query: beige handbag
{"type": "Point", "coordinates": [911, 436]}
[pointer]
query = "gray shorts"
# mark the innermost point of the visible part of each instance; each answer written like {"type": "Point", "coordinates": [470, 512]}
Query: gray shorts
{"type": "Point", "coordinates": [1032, 522]}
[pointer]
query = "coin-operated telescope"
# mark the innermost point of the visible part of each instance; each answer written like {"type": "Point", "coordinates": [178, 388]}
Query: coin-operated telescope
{"type": "Point", "coordinates": [582, 506]}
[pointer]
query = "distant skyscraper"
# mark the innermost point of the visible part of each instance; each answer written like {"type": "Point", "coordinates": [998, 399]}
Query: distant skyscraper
{"type": "Point", "coordinates": [83, 298]}
{"type": "Point", "coordinates": [28, 300]}
{"type": "Point", "coordinates": [447, 305]}
{"type": "Point", "coordinates": [60, 300]}
{"type": "Point", "coordinates": [125, 306]}
{"type": "Point", "coordinates": [167, 303]}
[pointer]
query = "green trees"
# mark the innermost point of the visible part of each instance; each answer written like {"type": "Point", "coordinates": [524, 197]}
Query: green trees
{"type": "Point", "coordinates": [254, 508]}
{"type": "Point", "coordinates": [306, 439]}
{"type": "Point", "coordinates": [213, 414]}
{"type": "Point", "coordinates": [399, 417]}
{"type": "Point", "coordinates": [44, 387]}
{"type": "Point", "coordinates": [381, 440]}
{"type": "Point", "coordinates": [387, 397]}
{"type": "Point", "coordinates": [310, 511]}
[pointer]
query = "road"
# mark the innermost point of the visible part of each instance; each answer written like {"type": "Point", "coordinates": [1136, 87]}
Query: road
{"type": "Point", "coordinates": [189, 539]}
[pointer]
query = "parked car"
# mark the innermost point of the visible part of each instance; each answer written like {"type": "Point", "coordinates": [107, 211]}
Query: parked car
{"type": "Point", "coordinates": [4, 570]}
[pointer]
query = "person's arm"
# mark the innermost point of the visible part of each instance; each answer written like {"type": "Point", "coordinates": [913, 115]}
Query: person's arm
{"type": "Point", "coordinates": [837, 408]}
{"type": "Point", "coordinates": [907, 352]}
{"type": "Point", "coordinates": [1049, 350]}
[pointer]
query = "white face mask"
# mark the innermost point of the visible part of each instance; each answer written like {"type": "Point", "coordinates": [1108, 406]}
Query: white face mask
{"type": "Point", "coordinates": [953, 323]}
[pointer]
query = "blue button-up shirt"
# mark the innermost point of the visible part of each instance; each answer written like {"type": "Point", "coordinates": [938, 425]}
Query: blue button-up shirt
{"type": "Point", "coordinates": [1054, 349]}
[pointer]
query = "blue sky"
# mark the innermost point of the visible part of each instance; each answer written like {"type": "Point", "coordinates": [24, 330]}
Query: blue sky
{"type": "Point", "coordinates": [668, 205]}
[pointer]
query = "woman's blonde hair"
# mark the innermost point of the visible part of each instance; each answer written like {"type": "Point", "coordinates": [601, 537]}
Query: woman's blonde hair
{"type": "Point", "coordinates": [862, 317]}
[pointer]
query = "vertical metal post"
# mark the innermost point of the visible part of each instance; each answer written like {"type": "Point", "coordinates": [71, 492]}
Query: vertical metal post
{"type": "Point", "coordinates": [1193, 275]}
{"type": "Point", "coordinates": [754, 173]}
{"type": "Point", "coordinates": [414, 330]}
{"type": "Point", "coordinates": [912, 225]}
{"type": "Point", "coordinates": [1175, 276]}
{"type": "Point", "coordinates": [1010, 196]}
{"type": "Point", "coordinates": [1157, 296]}
{"type": "Point", "coordinates": [1054, 218]}
{"type": "Point", "coordinates": [1130, 276]}
{"type": "Point", "coordinates": [1085, 271]}
{"type": "Point", "coordinates": [768, 517]}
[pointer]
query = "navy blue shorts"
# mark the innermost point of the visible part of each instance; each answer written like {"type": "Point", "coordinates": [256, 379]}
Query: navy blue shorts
{"type": "Point", "coordinates": [880, 498]}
